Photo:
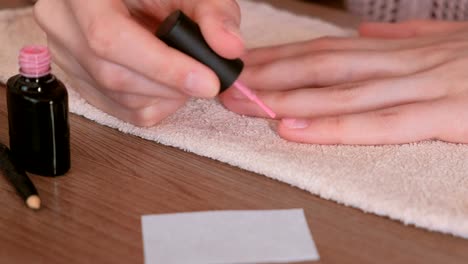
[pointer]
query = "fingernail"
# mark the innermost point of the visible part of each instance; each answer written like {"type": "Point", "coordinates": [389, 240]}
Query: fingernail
{"type": "Point", "coordinates": [194, 85]}
{"type": "Point", "coordinates": [235, 94]}
{"type": "Point", "coordinates": [231, 27]}
{"type": "Point", "coordinates": [293, 123]}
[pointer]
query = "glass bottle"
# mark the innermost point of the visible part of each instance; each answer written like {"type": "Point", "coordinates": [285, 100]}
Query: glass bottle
{"type": "Point", "coordinates": [38, 115]}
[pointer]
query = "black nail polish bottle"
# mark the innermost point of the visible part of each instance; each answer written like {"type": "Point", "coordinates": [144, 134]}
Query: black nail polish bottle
{"type": "Point", "coordinates": [38, 115]}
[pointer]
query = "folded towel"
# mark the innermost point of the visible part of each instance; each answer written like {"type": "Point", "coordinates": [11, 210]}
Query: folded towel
{"type": "Point", "coordinates": [423, 184]}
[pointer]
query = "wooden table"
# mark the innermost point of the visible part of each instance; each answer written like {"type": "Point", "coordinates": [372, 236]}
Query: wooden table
{"type": "Point", "coordinates": [92, 215]}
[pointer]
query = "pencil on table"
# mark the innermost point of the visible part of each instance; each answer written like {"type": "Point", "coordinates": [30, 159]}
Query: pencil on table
{"type": "Point", "coordinates": [19, 179]}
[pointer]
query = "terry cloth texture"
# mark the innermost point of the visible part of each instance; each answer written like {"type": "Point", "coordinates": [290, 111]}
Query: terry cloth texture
{"type": "Point", "coordinates": [423, 184]}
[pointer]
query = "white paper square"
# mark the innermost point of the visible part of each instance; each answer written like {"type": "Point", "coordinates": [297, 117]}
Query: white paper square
{"type": "Point", "coordinates": [228, 237]}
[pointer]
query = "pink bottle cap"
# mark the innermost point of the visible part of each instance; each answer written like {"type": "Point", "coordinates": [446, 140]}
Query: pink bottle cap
{"type": "Point", "coordinates": [34, 61]}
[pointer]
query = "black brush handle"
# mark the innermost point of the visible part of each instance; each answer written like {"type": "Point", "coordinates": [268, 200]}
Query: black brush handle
{"type": "Point", "coordinates": [183, 34]}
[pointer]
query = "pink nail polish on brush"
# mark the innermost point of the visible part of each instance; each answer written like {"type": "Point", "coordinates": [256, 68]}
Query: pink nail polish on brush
{"type": "Point", "coordinates": [183, 34]}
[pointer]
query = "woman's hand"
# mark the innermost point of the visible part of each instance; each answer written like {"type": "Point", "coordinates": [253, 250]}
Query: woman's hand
{"type": "Point", "coordinates": [108, 50]}
{"type": "Point", "coordinates": [396, 83]}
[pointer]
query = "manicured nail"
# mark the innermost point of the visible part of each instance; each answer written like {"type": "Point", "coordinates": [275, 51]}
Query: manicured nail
{"type": "Point", "coordinates": [293, 123]}
{"type": "Point", "coordinates": [194, 85]}
{"type": "Point", "coordinates": [231, 27]}
{"type": "Point", "coordinates": [235, 94]}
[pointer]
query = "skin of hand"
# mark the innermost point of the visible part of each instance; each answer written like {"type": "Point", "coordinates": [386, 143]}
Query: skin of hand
{"type": "Point", "coordinates": [392, 84]}
{"type": "Point", "coordinates": [109, 52]}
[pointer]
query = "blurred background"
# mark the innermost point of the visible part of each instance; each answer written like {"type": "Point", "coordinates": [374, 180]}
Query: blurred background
{"type": "Point", "coordinates": [340, 4]}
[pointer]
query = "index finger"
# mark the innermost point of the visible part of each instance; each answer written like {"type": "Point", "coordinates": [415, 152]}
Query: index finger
{"type": "Point", "coordinates": [395, 125]}
{"type": "Point", "coordinates": [114, 35]}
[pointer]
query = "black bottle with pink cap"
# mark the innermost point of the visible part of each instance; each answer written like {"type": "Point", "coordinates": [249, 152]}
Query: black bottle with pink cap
{"type": "Point", "coordinates": [38, 115]}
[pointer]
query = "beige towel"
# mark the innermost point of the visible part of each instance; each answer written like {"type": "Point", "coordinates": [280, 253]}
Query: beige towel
{"type": "Point", "coordinates": [422, 184]}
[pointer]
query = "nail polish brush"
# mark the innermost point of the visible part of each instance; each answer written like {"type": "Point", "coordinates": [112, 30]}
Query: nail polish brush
{"type": "Point", "coordinates": [183, 34]}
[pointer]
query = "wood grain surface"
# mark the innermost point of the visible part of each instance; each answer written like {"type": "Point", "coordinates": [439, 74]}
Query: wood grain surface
{"type": "Point", "coordinates": [92, 215]}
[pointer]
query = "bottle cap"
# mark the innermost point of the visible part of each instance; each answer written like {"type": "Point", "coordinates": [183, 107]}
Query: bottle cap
{"type": "Point", "coordinates": [34, 61]}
